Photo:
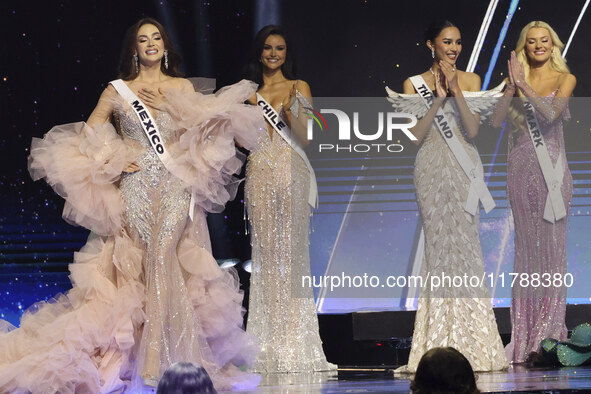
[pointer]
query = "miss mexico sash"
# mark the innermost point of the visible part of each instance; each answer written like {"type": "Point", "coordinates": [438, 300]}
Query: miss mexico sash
{"type": "Point", "coordinates": [280, 126]}
{"type": "Point", "coordinates": [150, 128]}
{"type": "Point", "coordinates": [478, 190]}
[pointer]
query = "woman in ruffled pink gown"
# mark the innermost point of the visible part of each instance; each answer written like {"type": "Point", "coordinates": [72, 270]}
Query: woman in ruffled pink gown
{"type": "Point", "coordinates": [146, 290]}
{"type": "Point", "coordinates": [538, 72]}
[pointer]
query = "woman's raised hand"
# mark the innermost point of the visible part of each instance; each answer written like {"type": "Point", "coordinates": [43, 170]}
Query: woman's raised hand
{"type": "Point", "coordinates": [288, 101]}
{"type": "Point", "coordinates": [516, 71]}
{"type": "Point", "coordinates": [440, 84]}
{"type": "Point", "coordinates": [153, 98]}
{"type": "Point", "coordinates": [451, 76]}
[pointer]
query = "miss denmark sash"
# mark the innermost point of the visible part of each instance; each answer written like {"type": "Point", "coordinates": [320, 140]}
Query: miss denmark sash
{"type": "Point", "coordinates": [478, 190]}
{"type": "Point", "coordinates": [554, 209]}
{"type": "Point", "coordinates": [283, 130]}
{"type": "Point", "coordinates": [150, 128]}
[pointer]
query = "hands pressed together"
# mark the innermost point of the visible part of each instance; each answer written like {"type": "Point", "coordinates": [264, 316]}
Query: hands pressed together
{"type": "Point", "coordinates": [516, 74]}
{"type": "Point", "coordinates": [446, 79]}
{"type": "Point", "coordinates": [288, 101]}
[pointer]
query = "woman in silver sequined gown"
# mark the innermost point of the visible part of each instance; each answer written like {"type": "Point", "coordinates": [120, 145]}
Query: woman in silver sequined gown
{"type": "Point", "coordinates": [146, 290]}
{"type": "Point", "coordinates": [281, 314]}
{"type": "Point", "coordinates": [456, 316]}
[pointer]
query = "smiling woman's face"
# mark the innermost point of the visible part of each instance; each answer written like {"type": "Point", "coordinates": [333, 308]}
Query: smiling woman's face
{"type": "Point", "coordinates": [274, 52]}
{"type": "Point", "coordinates": [150, 46]}
{"type": "Point", "coordinates": [447, 45]}
{"type": "Point", "coordinates": [538, 45]}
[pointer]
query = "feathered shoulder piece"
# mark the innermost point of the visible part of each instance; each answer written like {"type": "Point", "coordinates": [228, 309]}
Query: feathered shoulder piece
{"type": "Point", "coordinates": [482, 102]}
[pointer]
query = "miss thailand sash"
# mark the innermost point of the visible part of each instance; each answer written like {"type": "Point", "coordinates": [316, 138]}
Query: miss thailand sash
{"type": "Point", "coordinates": [150, 128]}
{"type": "Point", "coordinates": [554, 209]}
{"type": "Point", "coordinates": [283, 130]}
{"type": "Point", "coordinates": [478, 190]}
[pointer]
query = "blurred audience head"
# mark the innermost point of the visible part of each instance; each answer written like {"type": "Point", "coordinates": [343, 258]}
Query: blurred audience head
{"type": "Point", "coordinates": [185, 378]}
{"type": "Point", "coordinates": [444, 370]}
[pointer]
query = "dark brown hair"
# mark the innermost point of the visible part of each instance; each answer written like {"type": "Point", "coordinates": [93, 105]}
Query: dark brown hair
{"type": "Point", "coordinates": [444, 370]}
{"type": "Point", "coordinates": [127, 69]}
{"type": "Point", "coordinates": [254, 68]}
{"type": "Point", "coordinates": [436, 27]}
{"type": "Point", "coordinates": [185, 378]}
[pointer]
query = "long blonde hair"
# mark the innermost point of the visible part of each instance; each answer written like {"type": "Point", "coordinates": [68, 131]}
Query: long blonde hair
{"type": "Point", "coordinates": [557, 63]}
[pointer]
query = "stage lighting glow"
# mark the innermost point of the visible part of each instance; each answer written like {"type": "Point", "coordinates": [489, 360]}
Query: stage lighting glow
{"type": "Point", "coordinates": [572, 34]}
{"type": "Point", "coordinates": [267, 12]}
{"type": "Point", "coordinates": [247, 266]}
{"type": "Point", "coordinates": [492, 6]}
{"type": "Point", "coordinates": [322, 295]}
{"type": "Point", "coordinates": [496, 152]}
{"type": "Point", "coordinates": [228, 263]}
{"type": "Point", "coordinates": [495, 56]}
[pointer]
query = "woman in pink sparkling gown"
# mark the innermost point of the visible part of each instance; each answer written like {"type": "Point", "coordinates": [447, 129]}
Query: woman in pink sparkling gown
{"type": "Point", "coordinates": [537, 72]}
{"type": "Point", "coordinates": [146, 291]}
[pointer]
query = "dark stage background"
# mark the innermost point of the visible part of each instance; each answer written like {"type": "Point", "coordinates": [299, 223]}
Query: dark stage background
{"type": "Point", "coordinates": [57, 57]}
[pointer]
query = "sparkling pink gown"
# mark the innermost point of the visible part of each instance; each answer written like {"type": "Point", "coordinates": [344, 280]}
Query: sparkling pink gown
{"type": "Point", "coordinates": [540, 246]}
{"type": "Point", "coordinates": [146, 290]}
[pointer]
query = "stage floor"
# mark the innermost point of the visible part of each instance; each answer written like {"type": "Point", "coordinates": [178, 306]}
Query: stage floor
{"type": "Point", "coordinates": [353, 380]}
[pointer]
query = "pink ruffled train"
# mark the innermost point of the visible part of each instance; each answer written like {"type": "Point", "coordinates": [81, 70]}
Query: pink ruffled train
{"type": "Point", "coordinates": [146, 290]}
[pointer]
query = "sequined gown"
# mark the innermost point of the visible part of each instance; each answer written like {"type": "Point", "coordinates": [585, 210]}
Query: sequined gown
{"type": "Point", "coordinates": [281, 314]}
{"type": "Point", "coordinates": [460, 317]}
{"type": "Point", "coordinates": [146, 290]}
{"type": "Point", "coordinates": [540, 246]}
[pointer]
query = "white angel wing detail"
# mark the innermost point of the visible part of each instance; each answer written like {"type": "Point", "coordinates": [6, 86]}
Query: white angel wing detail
{"type": "Point", "coordinates": [409, 103]}
{"type": "Point", "coordinates": [484, 102]}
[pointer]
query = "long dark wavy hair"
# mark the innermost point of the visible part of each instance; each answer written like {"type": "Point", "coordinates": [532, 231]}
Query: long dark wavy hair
{"type": "Point", "coordinates": [127, 70]}
{"type": "Point", "coordinates": [254, 68]}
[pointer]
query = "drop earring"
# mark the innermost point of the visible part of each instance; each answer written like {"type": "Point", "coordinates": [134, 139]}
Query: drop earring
{"type": "Point", "coordinates": [433, 53]}
{"type": "Point", "coordinates": [136, 63]}
{"type": "Point", "coordinates": [166, 59]}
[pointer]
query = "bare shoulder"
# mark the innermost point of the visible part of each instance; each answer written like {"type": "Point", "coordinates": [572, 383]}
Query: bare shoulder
{"type": "Point", "coordinates": [567, 85]}
{"type": "Point", "coordinates": [408, 87]}
{"type": "Point", "coordinates": [182, 84]}
{"type": "Point", "coordinates": [109, 92]}
{"type": "Point", "coordinates": [471, 81]}
{"type": "Point", "coordinates": [303, 87]}
{"type": "Point", "coordinates": [570, 79]}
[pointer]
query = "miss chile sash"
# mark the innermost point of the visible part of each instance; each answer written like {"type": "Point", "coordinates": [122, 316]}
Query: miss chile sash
{"type": "Point", "coordinates": [150, 128]}
{"type": "Point", "coordinates": [283, 130]}
{"type": "Point", "coordinates": [554, 209]}
{"type": "Point", "coordinates": [478, 190]}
